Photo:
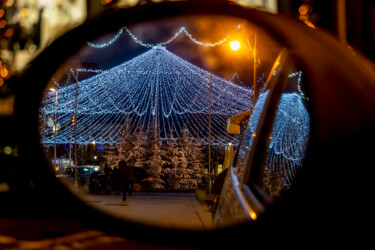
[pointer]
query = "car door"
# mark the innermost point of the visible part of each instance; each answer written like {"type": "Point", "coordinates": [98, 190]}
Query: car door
{"type": "Point", "coordinates": [272, 148]}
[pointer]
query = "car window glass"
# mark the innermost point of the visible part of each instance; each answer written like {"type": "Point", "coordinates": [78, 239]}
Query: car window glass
{"type": "Point", "coordinates": [289, 139]}
{"type": "Point", "coordinates": [249, 134]}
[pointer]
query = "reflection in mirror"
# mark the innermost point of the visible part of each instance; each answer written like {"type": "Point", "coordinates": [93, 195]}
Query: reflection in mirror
{"type": "Point", "coordinates": [131, 122]}
{"type": "Point", "coordinates": [285, 148]}
{"type": "Point", "coordinates": [289, 139]}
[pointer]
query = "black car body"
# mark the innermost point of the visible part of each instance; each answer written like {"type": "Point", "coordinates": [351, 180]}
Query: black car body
{"type": "Point", "coordinates": [83, 175]}
{"type": "Point", "coordinates": [101, 182]}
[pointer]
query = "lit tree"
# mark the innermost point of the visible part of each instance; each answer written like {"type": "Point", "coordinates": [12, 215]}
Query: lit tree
{"type": "Point", "coordinates": [137, 153]}
{"type": "Point", "coordinates": [155, 157]}
{"type": "Point", "coordinates": [155, 163]}
{"type": "Point", "coordinates": [126, 140]}
{"type": "Point", "coordinates": [182, 171]}
{"type": "Point", "coordinates": [172, 159]}
{"type": "Point", "coordinates": [196, 157]}
{"type": "Point", "coordinates": [184, 160]}
{"type": "Point", "coordinates": [111, 156]}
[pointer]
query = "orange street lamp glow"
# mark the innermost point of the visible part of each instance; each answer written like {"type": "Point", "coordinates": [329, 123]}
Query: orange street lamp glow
{"type": "Point", "coordinates": [235, 45]}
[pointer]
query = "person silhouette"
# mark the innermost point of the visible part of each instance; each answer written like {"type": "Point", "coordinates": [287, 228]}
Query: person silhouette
{"type": "Point", "coordinates": [115, 180]}
{"type": "Point", "coordinates": [126, 178]}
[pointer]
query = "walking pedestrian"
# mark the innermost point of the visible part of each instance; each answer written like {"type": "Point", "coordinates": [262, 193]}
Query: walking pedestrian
{"type": "Point", "coordinates": [115, 180]}
{"type": "Point", "coordinates": [126, 179]}
{"type": "Point", "coordinates": [107, 170]}
{"type": "Point", "coordinates": [107, 185]}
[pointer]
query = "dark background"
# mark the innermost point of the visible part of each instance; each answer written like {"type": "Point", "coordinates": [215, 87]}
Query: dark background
{"type": "Point", "coordinates": [360, 20]}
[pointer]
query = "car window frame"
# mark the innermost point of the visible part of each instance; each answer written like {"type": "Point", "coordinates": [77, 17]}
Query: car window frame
{"type": "Point", "coordinates": [255, 162]}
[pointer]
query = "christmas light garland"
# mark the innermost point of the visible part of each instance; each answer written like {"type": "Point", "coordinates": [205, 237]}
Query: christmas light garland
{"type": "Point", "coordinates": [155, 83]}
{"type": "Point", "coordinates": [106, 44]}
{"type": "Point", "coordinates": [182, 30]}
{"type": "Point", "coordinates": [288, 141]}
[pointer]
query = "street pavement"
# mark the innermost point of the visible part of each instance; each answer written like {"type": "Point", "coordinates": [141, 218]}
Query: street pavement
{"type": "Point", "coordinates": [163, 209]}
{"type": "Point", "coordinates": [32, 234]}
{"type": "Point", "coordinates": [171, 210]}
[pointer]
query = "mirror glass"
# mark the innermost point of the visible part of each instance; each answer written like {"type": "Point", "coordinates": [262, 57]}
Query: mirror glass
{"type": "Point", "coordinates": [131, 121]}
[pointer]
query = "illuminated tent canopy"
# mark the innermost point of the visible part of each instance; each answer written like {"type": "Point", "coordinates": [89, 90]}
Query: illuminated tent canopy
{"type": "Point", "coordinates": [154, 85]}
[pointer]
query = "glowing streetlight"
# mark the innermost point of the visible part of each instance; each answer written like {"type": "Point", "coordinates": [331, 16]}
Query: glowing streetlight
{"type": "Point", "coordinates": [75, 133]}
{"type": "Point", "coordinates": [253, 51]}
{"type": "Point", "coordinates": [93, 142]}
{"type": "Point", "coordinates": [55, 126]}
{"type": "Point", "coordinates": [235, 45]}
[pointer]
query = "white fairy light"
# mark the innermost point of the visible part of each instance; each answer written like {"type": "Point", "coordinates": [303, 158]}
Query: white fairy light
{"type": "Point", "coordinates": [182, 30]}
{"type": "Point", "coordinates": [299, 74]}
{"type": "Point", "coordinates": [132, 89]}
{"type": "Point", "coordinates": [106, 44]}
{"type": "Point", "coordinates": [288, 141]}
{"type": "Point", "coordinates": [290, 138]}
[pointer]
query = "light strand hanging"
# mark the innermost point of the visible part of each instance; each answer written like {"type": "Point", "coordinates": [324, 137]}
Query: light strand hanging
{"type": "Point", "coordinates": [182, 30]}
{"type": "Point", "coordinates": [156, 79]}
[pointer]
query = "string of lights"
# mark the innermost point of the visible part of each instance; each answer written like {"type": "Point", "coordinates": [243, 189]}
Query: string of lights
{"type": "Point", "coordinates": [299, 74]}
{"type": "Point", "coordinates": [289, 138]}
{"type": "Point", "coordinates": [106, 44]}
{"type": "Point", "coordinates": [154, 85]}
{"type": "Point", "coordinates": [182, 30]}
